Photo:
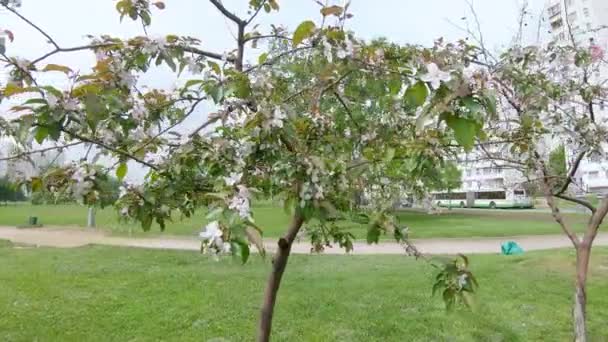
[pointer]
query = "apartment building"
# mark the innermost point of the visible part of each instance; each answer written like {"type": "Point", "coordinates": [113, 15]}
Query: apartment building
{"type": "Point", "coordinates": [585, 21]}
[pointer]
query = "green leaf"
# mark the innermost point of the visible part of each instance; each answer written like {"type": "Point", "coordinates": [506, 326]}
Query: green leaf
{"type": "Point", "coordinates": [190, 83]}
{"type": "Point", "coordinates": [36, 184]}
{"type": "Point", "coordinates": [332, 10]}
{"type": "Point", "coordinates": [304, 30]}
{"type": "Point", "coordinates": [389, 154]}
{"type": "Point", "coordinates": [255, 237]}
{"type": "Point", "coordinates": [57, 67]}
{"type": "Point", "coordinates": [472, 105]}
{"type": "Point", "coordinates": [263, 57]}
{"type": "Point", "coordinates": [373, 234]}
{"type": "Point", "coordinates": [215, 67]}
{"type": "Point", "coordinates": [12, 89]}
{"type": "Point", "coordinates": [416, 95]}
{"type": "Point", "coordinates": [240, 249]}
{"type": "Point", "coordinates": [394, 85]}
{"type": "Point", "coordinates": [41, 133]}
{"type": "Point", "coordinates": [465, 130]}
{"type": "Point", "coordinates": [146, 222]}
{"type": "Point", "coordinates": [121, 171]}
{"type": "Point", "coordinates": [145, 17]}
{"type": "Point", "coordinates": [96, 110]}
{"type": "Point", "coordinates": [35, 101]}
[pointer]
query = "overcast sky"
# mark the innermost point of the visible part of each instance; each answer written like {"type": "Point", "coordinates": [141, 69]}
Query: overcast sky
{"type": "Point", "coordinates": [403, 21]}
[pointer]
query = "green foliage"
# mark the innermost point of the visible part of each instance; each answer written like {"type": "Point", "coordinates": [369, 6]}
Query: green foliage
{"type": "Point", "coordinates": [455, 282]}
{"type": "Point", "coordinates": [330, 298]}
{"type": "Point", "coordinates": [10, 191]}
{"type": "Point", "coordinates": [448, 178]}
{"type": "Point", "coordinates": [304, 30]}
{"type": "Point", "coordinates": [557, 161]}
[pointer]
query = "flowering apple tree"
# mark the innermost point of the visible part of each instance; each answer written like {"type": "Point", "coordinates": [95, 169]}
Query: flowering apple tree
{"type": "Point", "coordinates": [554, 96]}
{"type": "Point", "coordinates": [320, 117]}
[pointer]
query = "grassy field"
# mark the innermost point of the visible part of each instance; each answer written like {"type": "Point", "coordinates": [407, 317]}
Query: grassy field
{"type": "Point", "coordinates": [114, 294]}
{"type": "Point", "coordinates": [455, 223]}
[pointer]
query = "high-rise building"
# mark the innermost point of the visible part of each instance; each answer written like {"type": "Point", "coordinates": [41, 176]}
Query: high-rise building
{"type": "Point", "coordinates": [585, 22]}
{"type": "Point", "coordinates": [581, 19]}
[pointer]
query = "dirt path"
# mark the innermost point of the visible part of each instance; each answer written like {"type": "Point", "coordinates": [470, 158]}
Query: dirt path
{"type": "Point", "coordinates": [66, 238]}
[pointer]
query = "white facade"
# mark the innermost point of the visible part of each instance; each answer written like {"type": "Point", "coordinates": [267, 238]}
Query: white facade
{"type": "Point", "coordinates": [587, 21]}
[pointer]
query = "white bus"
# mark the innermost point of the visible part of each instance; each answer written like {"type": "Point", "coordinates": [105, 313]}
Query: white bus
{"type": "Point", "coordinates": [484, 199]}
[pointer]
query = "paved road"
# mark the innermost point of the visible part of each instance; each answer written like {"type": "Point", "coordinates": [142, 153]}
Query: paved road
{"type": "Point", "coordinates": [66, 238]}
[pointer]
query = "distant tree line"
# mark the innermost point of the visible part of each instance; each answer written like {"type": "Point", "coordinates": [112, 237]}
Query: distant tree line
{"type": "Point", "coordinates": [10, 191]}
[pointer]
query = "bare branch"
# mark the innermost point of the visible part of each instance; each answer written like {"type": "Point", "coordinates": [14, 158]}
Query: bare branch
{"type": "Point", "coordinates": [42, 150]}
{"type": "Point", "coordinates": [348, 111]}
{"type": "Point", "coordinates": [109, 148]}
{"type": "Point", "coordinates": [266, 36]}
{"type": "Point", "coordinates": [572, 172]}
{"type": "Point", "coordinates": [207, 53]}
{"type": "Point", "coordinates": [227, 13]}
{"type": "Point", "coordinates": [582, 202]}
{"type": "Point", "coordinates": [255, 14]}
{"type": "Point", "coordinates": [277, 58]}
{"type": "Point", "coordinates": [595, 222]}
{"type": "Point", "coordinates": [32, 25]}
{"type": "Point", "coordinates": [72, 49]}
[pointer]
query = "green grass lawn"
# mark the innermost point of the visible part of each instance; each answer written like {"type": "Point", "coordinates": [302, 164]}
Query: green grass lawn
{"type": "Point", "coordinates": [455, 223]}
{"type": "Point", "coordinates": [118, 294]}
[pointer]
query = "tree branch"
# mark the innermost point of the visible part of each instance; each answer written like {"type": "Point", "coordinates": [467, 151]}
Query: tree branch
{"type": "Point", "coordinates": [595, 222]}
{"type": "Point", "coordinates": [266, 36]}
{"type": "Point", "coordinates": [255, 14]}
{"type": "Point", "coordinates": [110, 148]}
{"type": "Point", "coordinates": [572, 172]}
{"type": "Point", "coordinates": [554, 209]}
{"type": "Point", "coordinates": [582, 202]}
{"type": "Point", "coordinates": [42, 150]}
{"type": "Point", "coordinates": [72, 49]}
{"type": "Point", "coordinates": [227, 13]}
{"type": "Point", "coordinates": [350, 114]}
{"type": "Point", "coordinates": [206, 53]}
{"type": "Point", "coordinates": [32, 25]}
{"type": "Point", "coordinates": [274, 280]}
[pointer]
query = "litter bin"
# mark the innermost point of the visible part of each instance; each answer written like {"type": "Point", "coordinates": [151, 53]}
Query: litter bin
{"type": "Point", "coordinates": [33, 221]}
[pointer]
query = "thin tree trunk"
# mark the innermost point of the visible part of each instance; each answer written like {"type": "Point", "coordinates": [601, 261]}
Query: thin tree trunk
{"type": "Point", "coordinates": [579, 312]}
{"type": "Point", "coordinates": [279, 262]}
{"type": "Point", "coordinates": [91, 218]}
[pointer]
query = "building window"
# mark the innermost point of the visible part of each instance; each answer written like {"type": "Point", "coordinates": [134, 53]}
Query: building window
{"type": "Point", "coordinates": [593, 174]}
{"type": "Point", "coordinates": [554, 10]}
{"type": "Point", "coordinates": [556, 24]}
{"type": "Point", "coordinates": [589, 27]}
{"type": "Point", "coordinates": [572, 16]}
{"type": "Point", "coordinates": [569, 2]}
{"type": "Point", "coordinates": [586, 12]}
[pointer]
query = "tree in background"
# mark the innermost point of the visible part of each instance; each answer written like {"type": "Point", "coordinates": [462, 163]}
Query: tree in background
{"type": "Point", "coordinates": [449, 177]}
{"type": "Point", "coordinates": [548, 94]}
{"type": "Point", "coordinates": [557, 162]}
{"type": "Point", "coordinates": [10, 191]}
{"type": "Point", "coordinates": [318, 115]}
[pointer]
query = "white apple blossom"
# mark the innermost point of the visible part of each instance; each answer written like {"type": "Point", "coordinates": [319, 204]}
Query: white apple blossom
{"type": "Point", "coordinates": [327, 50]}
{"type": "Point", "coordinates": [72, 105]}
{"type": "Point", "coordinates": [126, 78]}
{"type": "Point", "coordinates": [139, 111]}
{"type": "Point", "coordinates": [154, 46]}
{"type": "Point", "coordinates": [233, 178]}
{"type": "Point", "coordinates": [212, 231]}
{"type": "Point", "coordinates": [22, 64]}
{"type": "Point", "coordinates": [435, 76]}
{"type": "Point", "coordinates": [241, 203]}
{"type": "Point", "coordinates": [52, 100]}
{"type": "Point", "coordinates": [193, 66]}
